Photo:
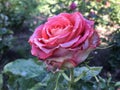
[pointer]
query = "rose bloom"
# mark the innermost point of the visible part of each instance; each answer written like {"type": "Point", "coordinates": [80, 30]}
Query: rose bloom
{"type": "Point", "coordinates": [64, 41]}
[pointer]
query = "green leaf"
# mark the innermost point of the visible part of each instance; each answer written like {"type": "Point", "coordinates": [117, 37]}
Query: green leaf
{"type": "Point", "coordinates": [24, 68]}
{"type": "Point", "coordinates": [56, 82]}
{"type": "Point", "coordinates": [117, 83]}
{"type": "Point", "coordinates": [86, 73]}
{"type": "Point", "coordinates": [21, 83]}
{"type": "Point", "coordinates": [85, 85]}
{"type": "Point", "coordinates": [1, 81]}
{"type": "Point", "coordinates": [37, 86]}
{"type": "Point", "coordinates": [50, 82]}
{"type": "Point", "coordinates": [26, 75]}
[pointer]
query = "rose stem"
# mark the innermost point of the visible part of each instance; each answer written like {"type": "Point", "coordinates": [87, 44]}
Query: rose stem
{"type": "Point", "coordinates": [71, 79]}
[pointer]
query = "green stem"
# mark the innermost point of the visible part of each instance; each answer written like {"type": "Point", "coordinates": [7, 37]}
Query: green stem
{"type": "Point", "coordinates": [97, 80]}
{"type": "Point", "coordinates": [65, 76]}
{"type": "Point", "coordinates": [59, 74]}
{"type": "Point", "coordinates": [71, 79]}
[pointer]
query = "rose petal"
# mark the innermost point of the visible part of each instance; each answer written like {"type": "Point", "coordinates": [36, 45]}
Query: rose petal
{"type": "Point", "coordinates": [37, 33]}
{"type": "Point", "coordinates": [94, 40]}
{"type": "Point", "coordinates": [41, 47]}
{"type": "Point", "coordinates": [44, 33]}
{"type": "Point", "coordinates": [80, 56]}
{"type": "Point", "coordinates": [78, 25]}
{"type": "Point", "coordinates": [86, 45]}
{"type": "Point", "coordinates": [82, 39]}
{"type": "Point", "coordinates": [55, 41]}
{"type": "Point", "coordinates": [61, 52]}
{"type": "Point", "coordinates": [37, 52]}
{"type": "Point", "coordinates": [70, 43]}
{"type": "Point", "coordinates": [68, 16]}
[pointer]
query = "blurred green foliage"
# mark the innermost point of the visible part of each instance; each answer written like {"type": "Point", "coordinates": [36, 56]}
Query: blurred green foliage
{"type": "Point", "coordinates": [5, 41]}
{"type": "Point", "coordinates": [1, 81]}
{"type": "Point", "coordinates": [15, 12]}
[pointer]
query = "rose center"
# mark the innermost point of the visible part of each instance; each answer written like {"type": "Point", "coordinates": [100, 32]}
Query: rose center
{"type": "Point", "coordinates": [57, 31]}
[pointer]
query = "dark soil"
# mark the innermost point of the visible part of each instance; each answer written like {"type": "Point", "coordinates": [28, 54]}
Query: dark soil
{"type": "Point", "coordinates": [101, 58]}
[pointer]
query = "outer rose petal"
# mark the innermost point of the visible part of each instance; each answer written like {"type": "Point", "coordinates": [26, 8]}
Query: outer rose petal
{"type": "Point", "coordinates": [36, 34]}
{"type": "Point", "coordinates": [64, 58]}
{"type": "Point", "coordinates": [80, 56]}
{"type": "Point", "coordinates": [60, 58]}
{"type": "Point", "coordinates": [94, 40]}
{"type": "Point", "coordinates": [37, 52]}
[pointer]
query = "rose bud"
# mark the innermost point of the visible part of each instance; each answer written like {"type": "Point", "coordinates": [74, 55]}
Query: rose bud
{"type": "Point", "coordinates": [64, 41]}
{"type": "Point", "coordinates": [73, 6]}
{"type": "Point", "coordinates": [107, 4]}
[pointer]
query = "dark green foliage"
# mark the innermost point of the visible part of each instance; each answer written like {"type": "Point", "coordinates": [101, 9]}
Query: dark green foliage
{"type": "Point", "coordinates": [115, 55]}
{"type": "Point", "coordinates": [5, 41]}
{"type": "Point", "coordinates": [1, 81]}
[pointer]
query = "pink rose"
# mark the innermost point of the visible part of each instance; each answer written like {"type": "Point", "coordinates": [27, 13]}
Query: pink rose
{"type": "Point", "coordinates": [64, 41]}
